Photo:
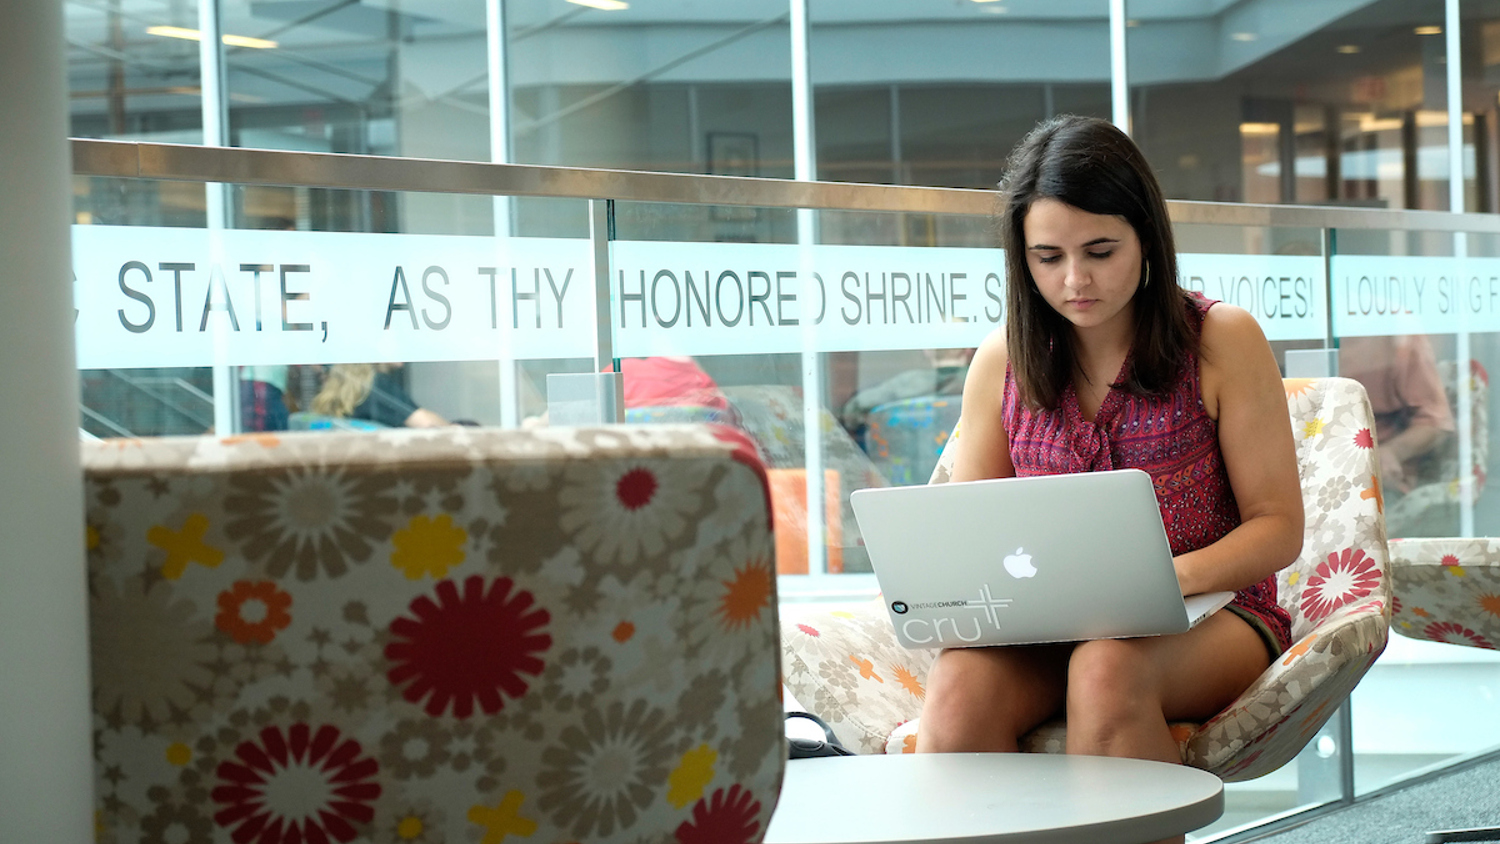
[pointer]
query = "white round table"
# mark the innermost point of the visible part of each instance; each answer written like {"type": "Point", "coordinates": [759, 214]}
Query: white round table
{"type": "Point", "coordinates": [988, 798]}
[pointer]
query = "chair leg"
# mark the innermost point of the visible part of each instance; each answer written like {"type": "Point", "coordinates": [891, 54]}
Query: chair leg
{"type": "Point", "coordinates": [1484, 833]}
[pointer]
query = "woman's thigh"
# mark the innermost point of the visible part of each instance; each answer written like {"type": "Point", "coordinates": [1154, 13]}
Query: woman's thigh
{"type": "Point", "coordinates": [1024, 685]}
{"type": "Point", "coordinates": [1192, 676]}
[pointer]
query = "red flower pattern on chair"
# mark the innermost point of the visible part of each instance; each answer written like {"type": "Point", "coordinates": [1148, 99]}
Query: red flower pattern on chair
{"type": "Point", "coordinates": [723, 819]}
{"type": "Point", "coordinates": [1453, 633]}
{"type": "Point", "coordinates": [635, 489]}
{"type": "Point", "coordinates": [1345, 577]}
{"type": "Point", "coordinates": [468, 647]}
{"type": "Point", "coordinates": [298, 786]}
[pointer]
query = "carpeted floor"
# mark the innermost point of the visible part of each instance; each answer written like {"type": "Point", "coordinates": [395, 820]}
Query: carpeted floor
{"type": "Point", "coordinates": [1465, 798]}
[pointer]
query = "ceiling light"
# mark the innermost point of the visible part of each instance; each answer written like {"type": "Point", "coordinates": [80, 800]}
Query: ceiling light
{"type": "Point", "coordinates": [195, 35]}
{"type": "Point", "coordinates": [1371, 124]}
{"type": "Point", "coordinates": [247, 41]}
{"type": "Point", "coordinates": [602, 5]}
{"type": "Point", "coordinates": [1428, 30]}
{"type": "Point", "coordinates": [1244, 36]}
{"type": "Point", "coordinates": [986, 1]}
{"type": "Point", "coordinates": [1260, 128]}
{"type": "Point", "coordinates": [1348, 49]}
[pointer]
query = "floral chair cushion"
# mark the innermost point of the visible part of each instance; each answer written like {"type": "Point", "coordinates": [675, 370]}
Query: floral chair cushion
{"type": "Point", "coordinates": [847, 667]}
{"type": "Point", "coordinates": [681, 413]}
{"type": "Point", "coordinates": [434, 636]}
{"type": "Point", "coordinates": [905, 438]}
{"type": "Point", "coordinates": [306, 421]}
{"type": "Point", "coordinates": [1447, 590]}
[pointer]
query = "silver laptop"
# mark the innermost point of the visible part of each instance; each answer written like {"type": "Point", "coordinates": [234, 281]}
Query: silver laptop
{"type": "Point", "coordinates": [1058, 558]}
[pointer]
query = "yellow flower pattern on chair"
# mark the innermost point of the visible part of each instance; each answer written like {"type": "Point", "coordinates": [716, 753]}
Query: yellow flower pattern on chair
{"type": "Point", "coordinates": [428, 546]}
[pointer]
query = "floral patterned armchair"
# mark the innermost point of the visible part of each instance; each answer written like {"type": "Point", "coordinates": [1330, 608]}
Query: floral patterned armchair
{"type": "Point", "coordinates": [447, 635]}
{"type": "Point", "coordinates": [1447, 590]}
{"type": "Point", "coordinates": [772, 415]}
{"type": "Point", "coordinates": [846, 667]}
{"type": "Point", "coordinates": [906, 438]}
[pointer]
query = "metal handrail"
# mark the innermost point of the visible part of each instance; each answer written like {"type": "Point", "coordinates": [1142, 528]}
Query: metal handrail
{"type": "Point", "coordinates": [233, 165]}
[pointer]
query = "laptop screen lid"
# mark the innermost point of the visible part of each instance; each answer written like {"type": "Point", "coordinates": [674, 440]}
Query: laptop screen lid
{"type": "Point", "coordinates": [1054, 558]}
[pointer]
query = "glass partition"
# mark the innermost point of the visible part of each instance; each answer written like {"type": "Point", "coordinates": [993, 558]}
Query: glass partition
{"type": "Point", "coordinates": [836, 338]}
{"type": "Point", "coordinates": [1416, 316]}
{"type": "Point", "coordinates": [317, 329]}
{"type": "Point", "coordinates": [1341, 104]}
{"type": "Point", "coordinates": [938, 94]}
{"type": "Point", "coordinates": [842, 358]}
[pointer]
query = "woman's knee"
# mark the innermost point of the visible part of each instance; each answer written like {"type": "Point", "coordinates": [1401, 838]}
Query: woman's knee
{"type": "Point", "coordinates": [982, 700]}
{"type": "Point", "coordinates": [964, 686]}
{"type": "Point", "coordinates": [1110, 678]}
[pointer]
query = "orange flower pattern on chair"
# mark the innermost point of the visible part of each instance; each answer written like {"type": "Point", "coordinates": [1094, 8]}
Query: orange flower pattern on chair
{"type": "Point", "coordinates": [415, 637]}
{"type": "Point", "coordinates": [235, 604]}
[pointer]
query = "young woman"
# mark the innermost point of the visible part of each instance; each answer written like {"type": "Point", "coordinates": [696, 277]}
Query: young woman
{"type": "Point", "coordinates": [1106, 363]}
{"type": "Point", "coordinates": [374, 392]}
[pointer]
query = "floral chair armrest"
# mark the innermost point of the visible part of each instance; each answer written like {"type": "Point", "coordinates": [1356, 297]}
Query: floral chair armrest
{"type": "Point", "coordinates": [846, 667]}
{"type": "Point", "coordinates": [1274, 719]}
{"type": "Point", "coordinates": [1447, 590]}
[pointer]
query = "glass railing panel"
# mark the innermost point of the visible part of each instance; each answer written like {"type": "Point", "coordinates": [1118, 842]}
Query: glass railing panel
{"type": "Point", "coordinates": [185, 330]}
{"type": "Point", "coordinates": [1278, 274]}
{"type": "Point", "coordinates": [1417, 315]}
{"type": "Point", "coordinates": [843, 359]}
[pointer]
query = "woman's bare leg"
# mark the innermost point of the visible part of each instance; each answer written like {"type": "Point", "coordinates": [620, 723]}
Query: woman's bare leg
{"type": "Point", "coordinates": [984, 699]}
{"type": "Point", "coordinates": [1123, 692]}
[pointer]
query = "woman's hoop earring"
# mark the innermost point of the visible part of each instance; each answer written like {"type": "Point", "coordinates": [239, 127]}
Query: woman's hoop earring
{"type": "Point", "coordinates": [1146, 275]}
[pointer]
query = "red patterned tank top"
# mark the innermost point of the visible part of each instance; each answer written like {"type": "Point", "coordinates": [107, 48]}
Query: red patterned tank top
{"type": "Point", "coordinates": [1170, 436]}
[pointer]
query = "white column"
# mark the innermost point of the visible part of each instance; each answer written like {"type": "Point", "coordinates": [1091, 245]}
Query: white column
{"type": "Point", "coordinates": [214, 107]}
{"type": "Point", "coordinates": [1465, 410]}
{"type": "Point", "coordinates": [498, 65]}
{"type": "Point", "coordinates": [1118, 80]}
{"type": "Point", "coordinates": [805, 168]}
{"type": "Point", "coordinates": [46, 769]}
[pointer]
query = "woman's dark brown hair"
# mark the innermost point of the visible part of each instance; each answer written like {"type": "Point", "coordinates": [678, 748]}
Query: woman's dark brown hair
{"type": "Point", "coordinates": [1091, 165]}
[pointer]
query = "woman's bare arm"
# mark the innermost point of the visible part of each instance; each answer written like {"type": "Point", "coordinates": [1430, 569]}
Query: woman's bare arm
{"type": "Point", "coordinates": [983, 448]}
{"type": "Point", "coordinates": [1242, 389]}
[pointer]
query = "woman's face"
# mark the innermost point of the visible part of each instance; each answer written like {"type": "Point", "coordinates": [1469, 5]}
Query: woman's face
{"type": "Point", "coordinates": [1087, 266]}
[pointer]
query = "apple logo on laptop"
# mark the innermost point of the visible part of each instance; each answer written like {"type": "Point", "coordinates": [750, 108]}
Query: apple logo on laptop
{"type": "Point", "coordinates": [1019, 565]}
